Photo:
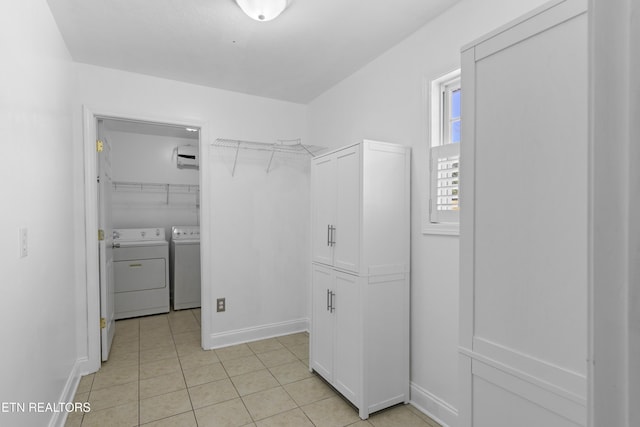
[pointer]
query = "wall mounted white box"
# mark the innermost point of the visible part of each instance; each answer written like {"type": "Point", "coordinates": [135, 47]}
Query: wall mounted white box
{"type": "Point", "coordinates": [360, 273]}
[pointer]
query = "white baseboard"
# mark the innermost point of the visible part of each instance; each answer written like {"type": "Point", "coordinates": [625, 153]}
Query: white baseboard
{"type": "Point", "coordinates": [436, 408]}
{"type": "Point", "coordinates": [58, 419]}
{"type": "Point", "coordinates": [255, 333]}
{"type": "Point", "coordinates": [85, 368]}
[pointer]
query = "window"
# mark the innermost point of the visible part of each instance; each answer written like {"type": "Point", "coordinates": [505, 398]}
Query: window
{"type": "Point", "coordinates": [443, 208]}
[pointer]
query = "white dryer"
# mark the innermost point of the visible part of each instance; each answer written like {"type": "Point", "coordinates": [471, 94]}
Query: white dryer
{"type": "Point", "coordinates": [141, 272]}
{"type": "Point", "coordinates": [185, 267]}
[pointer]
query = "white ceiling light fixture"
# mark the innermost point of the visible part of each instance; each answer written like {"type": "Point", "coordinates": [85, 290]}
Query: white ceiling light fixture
{"type": "Point", "coordinates": [263, 10]}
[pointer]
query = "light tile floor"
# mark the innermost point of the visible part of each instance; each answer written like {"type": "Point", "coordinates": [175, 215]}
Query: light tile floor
{"type": "Point", "coordinates": [158, 375]}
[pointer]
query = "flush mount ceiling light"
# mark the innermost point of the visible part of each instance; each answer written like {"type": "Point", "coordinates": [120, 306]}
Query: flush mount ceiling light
{"type": "Point", "coordinates": [262, 10]}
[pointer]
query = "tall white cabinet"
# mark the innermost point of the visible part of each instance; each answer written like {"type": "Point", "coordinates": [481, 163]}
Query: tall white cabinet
{"type": "Point", "coordinates": [360, 273]}
{"type": "Point", "coordinates": [524, 221]}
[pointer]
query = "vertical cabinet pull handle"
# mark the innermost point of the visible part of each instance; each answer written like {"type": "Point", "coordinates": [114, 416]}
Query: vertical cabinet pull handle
{"type": "Point", "coordinates": [330, 296]}
{"type": "Point", "coordinates": [332, 231]}
{"type": "Point", "coordinates": [332, 308]}
{"type": "Point", "coordinates": [328, 235]}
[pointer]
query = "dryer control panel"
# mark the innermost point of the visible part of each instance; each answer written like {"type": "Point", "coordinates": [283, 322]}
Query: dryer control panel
{"type": "Point", "coordinates": [138, 234]}
{"type": "Point", "coordinates": [186, 232]}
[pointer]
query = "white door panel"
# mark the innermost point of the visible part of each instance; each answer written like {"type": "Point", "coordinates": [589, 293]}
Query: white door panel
{"type": "Point", "coordinates": [323, 322]}
{"type": "Point", "coordinates": [107, 291]}
{"type": "Point", "coordinates": [347, 223]}
{"type": "Point", "coordinates": [348, 356]}
{"type": "Point", "coordinates": [524, 215]}
{"type": "Point", "coordinates": [324, 185]}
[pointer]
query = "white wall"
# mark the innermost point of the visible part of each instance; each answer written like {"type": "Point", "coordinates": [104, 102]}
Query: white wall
{"type": "Point", "coordinates": [151, 159]}
{"type": "Point", "coordinates": [260, 244]}
{"type": "Point", "coordinates": [38, 298]}
{"type": "Point", "coordinates": [228, 114]}
{"type": "Point", "coordinates": [386, 100]}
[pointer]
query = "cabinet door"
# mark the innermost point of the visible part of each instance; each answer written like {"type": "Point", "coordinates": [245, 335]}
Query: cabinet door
{"type": "Point", "coordinates": [347, 222]}
{"type": "Point", "coordinates": [323, 179]}
{"type": "Point", "coordinates": [322, 322]}
{"type": "Point", "coordinates": [522, 272]}
{"type": "Point", "coordinates": [348, 330]}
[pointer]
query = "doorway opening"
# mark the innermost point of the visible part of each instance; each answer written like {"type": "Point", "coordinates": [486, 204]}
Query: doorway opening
{"type": "Point", "coordinates": [148, 183]}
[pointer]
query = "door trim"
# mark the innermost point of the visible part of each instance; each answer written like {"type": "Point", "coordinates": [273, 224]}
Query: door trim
{"type": "Point", "coordinates": [90, 356]}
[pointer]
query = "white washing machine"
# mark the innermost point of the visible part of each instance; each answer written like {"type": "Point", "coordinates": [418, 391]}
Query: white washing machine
{"type": "Point", "coordinates": [141, 272]}
{"type": "Point", "coordinates": [185, 267]}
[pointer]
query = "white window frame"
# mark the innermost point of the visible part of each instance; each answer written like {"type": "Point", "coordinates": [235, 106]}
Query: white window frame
{"type": "Point", "coordinates": [436, 135]}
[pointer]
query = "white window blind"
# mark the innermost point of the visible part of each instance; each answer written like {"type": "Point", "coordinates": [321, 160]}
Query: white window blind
{"type": "Point", "coordinates": [445, 183]}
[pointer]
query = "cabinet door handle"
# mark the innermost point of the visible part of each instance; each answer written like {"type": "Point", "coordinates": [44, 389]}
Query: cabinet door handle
{"type": "Point", "coordinates": [332, 307]}
{"type": "Point", "coordinates": [328, 300]}
{"type": "Point", "coordinates": [328, 236]}
{"type": "Point", "coordinates": [332, 229]}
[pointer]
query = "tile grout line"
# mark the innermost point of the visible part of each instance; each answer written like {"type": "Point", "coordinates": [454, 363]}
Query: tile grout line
{"type": "Point", "coordinates": [193, 410]}
{"type": "Point", "coordinates": [181, 371]}
{"type": "Point", "coordinates": [241, 397]}
{"type": "Point", "coordinates": [282, 385]}
{"type": "Point", "coordinates": [140, 374]}
{"type": "Point", "coordinates": [183, 377]}
{"type": "Point", "coordinates": [303, 379]}
{"type": "Point", "coordinates": [139, 367]}
{"type": "Point", "coordinates": [185, 380]}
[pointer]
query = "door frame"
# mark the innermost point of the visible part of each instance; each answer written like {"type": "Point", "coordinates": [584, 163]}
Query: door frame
{"type": "Point", "coordinates": [91, 317]}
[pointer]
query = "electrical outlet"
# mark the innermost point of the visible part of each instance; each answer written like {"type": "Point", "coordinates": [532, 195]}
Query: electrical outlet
{"type": "Point", "coordinates": [24, 243]}
{"type": "Point", "coordinates": [221, 304]}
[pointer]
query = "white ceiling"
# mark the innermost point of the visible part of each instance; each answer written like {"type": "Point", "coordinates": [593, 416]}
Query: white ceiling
{"type": "Point", "coordinates": [312, 46]}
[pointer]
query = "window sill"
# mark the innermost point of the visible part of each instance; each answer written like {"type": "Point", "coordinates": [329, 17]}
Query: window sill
{"type": "Point", "coordinates": [442, 229]}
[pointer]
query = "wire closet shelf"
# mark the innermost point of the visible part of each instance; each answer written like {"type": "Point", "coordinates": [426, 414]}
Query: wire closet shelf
{"type": "Point", "coordinates": [282, 146]}
{"type": "Point", "coordinates": [153, 187]}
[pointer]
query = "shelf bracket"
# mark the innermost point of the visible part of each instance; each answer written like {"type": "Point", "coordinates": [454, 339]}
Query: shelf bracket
{"type": "Point", "coordinates": [235, 161]}
{"type": "Point", "coordinates": [273, 151]}
{"type": "Point", "coordinates": [307, 150]}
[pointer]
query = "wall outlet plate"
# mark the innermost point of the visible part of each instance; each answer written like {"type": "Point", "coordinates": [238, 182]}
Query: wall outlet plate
{"type": "Point", "coordinates": [221, 304]}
